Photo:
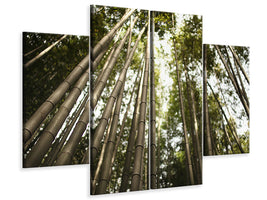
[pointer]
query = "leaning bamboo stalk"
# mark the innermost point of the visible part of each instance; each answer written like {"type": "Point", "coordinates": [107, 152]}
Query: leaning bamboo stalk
{"type": "Point", "coordinates": [101, 157]}
{"type": "Point", "coordinates": [36, 155]}
{"type": "Point", "coordinates": [118, 140]}
{"type": "Point", "coordinates": [228, 138]}
{"type": "Point", "coordinates": [239, 63]}
{"type": "Point", "coordinates": [242, 89]}
{"type": "Point", "coordinates": [95, 63]}
{"type": "Point", "coordinates": [123, 125]}
{"type": "Point", "coordinates": [231, 129]}
{"type": "Point", "coordinates": [99, 77]}
{"type": "Point", "coordinates": [139, 148]}
{"type": "Point", "coordinates": [40, 114]}
{"type": "Point", "coordinates": [98, 89]}
{"type": "Point", "coordinates": [35, 135]}
{"type": "Point", "coordinates": [29, 63]}
{"type": "Point", "coordinates": [242, 85]}
{"type": "Point", "coordinates": [112, 144]}
{"type": "Point", "coordinates": [68, 129]}
{"type": "Point", "coordinates": [106, 165]}
{"type": "Point", "coordinates": [236, 86]}
{"type": "Point", "coordinates": [110, 128]}
{"type": "Point", "coordinates": [66, 155]}
{"type": "Point", "coordinates": [106, 114]}
{"type": "Point", "coordinates": [132, 134]}
{"type": "Point", "coordinates": [105, 41]}
{"type": "Point", "coordinates": [97, 60]}
{"type": "Point", "coordinates": [32, 51]}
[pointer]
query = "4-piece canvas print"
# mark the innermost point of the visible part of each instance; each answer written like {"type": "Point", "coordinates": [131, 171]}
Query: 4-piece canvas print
{"type": "Point", "coordinates": [143, 99]}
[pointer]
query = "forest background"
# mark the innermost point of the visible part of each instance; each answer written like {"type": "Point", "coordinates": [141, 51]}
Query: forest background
{"type": "Point", "coordinates": [226, 22]}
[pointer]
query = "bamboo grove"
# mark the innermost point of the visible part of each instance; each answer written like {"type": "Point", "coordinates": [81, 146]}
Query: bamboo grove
{"type": "Point", "coordinates": [135, 143]}
{"type": "Point", "coordinates": [55, 99]}
{"type": "Point", "coordinates": [226, 99]}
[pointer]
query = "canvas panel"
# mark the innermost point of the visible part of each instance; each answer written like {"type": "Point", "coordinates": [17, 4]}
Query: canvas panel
{"type": "Point", "coordinates": [55, 92]}
{"type": "Point", "coordinates": [119, 100]}
{"type": "Point", "coordinates": [176, 132]}
{"type": "Point", "coordinates": [226, 102]}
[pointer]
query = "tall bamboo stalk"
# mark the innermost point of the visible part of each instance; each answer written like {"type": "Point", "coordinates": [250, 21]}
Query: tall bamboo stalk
{"type": "Point", "coordinates": [131, 139]}
{"type": "Point", "coordinates": [153, 165]}
{"type": "Point", "coordinates": [101, 157]}
{"type": "Point", "coordinates": [194, 129]}
{"type": "Point", "coordinates": [205, 103]}
{"type": "Point", "coordinates": [139, 148]}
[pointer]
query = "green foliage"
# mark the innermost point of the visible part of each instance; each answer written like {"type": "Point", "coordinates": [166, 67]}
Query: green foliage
{"type": "Point", "coordinates": [163, 23]}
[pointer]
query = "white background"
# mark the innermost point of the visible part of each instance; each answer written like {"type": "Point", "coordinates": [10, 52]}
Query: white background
{"type": "Point", "coordinates": [225, 22]}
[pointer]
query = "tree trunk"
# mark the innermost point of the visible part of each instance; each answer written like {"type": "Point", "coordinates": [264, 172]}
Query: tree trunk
{"type": "Point", "coordinates": [153, 165]}
{"type": "Point", "coordinates": [29, 63]}
{"type": "Point", "coordinates": [194, 129]}
{"type": "Point", "coordinates": [141, 126]}
{"type": "Point", "coordinates": [131, 139]}
{"type": "Point", "coordinates": [37, 153]}
{"type": "Point", "coordinates": [205, 104]}
{"type": "Point", "coordinates": [36, 119]}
